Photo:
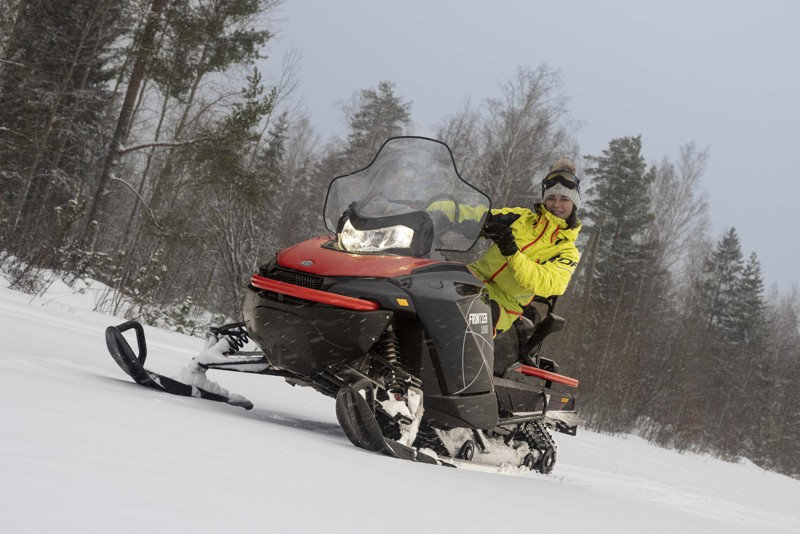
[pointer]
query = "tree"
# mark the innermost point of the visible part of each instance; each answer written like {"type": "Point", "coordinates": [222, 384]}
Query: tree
{"type": "Point", "coordinates": [461, 132]}
{"type": "Point", "coordinates": [183, 120]}
{"type": "Point", "coordinates": [778, 428]}
{"type": "Point", "coordinates": [374, 115]}
{"type": "Point", "coordinates": [726, 313]}
{"type": "Point", "coordinates": [300, 189]}
{"type": "Point", "coordinates": [679, 207]}
{"type": "Point", "coordinates": [144, 48]}
{"type": "Point", "coordinates": [619, 208]}
{"type": "Point", "coordinates": [53, 92]}
{"type": "Point", "coordinates": [746, 322]}
{"type": "Point", "coordinates": [622, 285]}
{"type": "Point", "coordinates": [718, 285]}
{"type": "Point", "coordinates": [197, 39]}
{"type": "Point", "coordinates": [523, 134]}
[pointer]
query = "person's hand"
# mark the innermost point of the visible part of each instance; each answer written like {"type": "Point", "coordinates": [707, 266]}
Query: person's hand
{"type": "Point", "coordinates": [503, 237]}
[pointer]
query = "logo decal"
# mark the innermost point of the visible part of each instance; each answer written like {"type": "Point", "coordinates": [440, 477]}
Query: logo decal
{"type": "Point", "coordinates": [478, 318]}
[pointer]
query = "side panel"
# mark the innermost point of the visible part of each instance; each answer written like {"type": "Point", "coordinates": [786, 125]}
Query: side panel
{"type": "Point", "coordinates": [454, 310]}
{"type": "Point", "coordinates": [305, 338]}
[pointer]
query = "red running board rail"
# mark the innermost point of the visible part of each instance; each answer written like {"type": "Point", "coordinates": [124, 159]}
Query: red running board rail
{"type": "Point", "coordinates": [547, 375]}
{"type": "Point", "coordinates": [314, 295]}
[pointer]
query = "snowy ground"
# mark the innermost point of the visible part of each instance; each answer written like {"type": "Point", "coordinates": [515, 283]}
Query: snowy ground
{"type": "Point", "coordinates": [84, 449]}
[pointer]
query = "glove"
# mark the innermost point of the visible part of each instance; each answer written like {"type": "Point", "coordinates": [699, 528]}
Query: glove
{"type": "Point", "coordinates": [503, 237]}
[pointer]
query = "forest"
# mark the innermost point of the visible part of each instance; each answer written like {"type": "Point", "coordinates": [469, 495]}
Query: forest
{"type": "Point", "coordinates": [153, 146]}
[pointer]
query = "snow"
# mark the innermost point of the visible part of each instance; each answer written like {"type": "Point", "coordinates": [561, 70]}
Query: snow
{"type": "Point", "coordinates": [84, 449]}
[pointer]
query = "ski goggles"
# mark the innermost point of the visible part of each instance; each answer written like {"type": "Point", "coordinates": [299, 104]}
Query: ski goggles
{"type": "Point", "coordinates": [567, 179]}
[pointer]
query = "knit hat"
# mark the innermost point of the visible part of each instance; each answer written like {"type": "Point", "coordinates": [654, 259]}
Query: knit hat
{"type": "Point", "coordinates": [558, 182]}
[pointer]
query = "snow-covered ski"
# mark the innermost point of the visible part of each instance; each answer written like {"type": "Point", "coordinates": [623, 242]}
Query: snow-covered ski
{"type": "Point", "coordinates": [133, 365]}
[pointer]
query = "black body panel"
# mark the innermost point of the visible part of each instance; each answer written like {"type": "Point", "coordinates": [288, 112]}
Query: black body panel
{"type": "Point", "coordinates": [445, 337]}
{"type": "Point", "coordinates": [518, 393]}
{"type": "Point", "coordinates": [306, 338]}
{"type": "Point", "coordinates": [454, 309]}
{"type": "Point", "coordinates": [457, 411]}
{"type": "Point", "coordinates": [515, 397]}
{"type": "Point", "coordinates": [441, 317]}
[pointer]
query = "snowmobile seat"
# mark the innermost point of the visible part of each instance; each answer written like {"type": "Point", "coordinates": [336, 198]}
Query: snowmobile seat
{"type": "Point", "coordinates": [522, 343]}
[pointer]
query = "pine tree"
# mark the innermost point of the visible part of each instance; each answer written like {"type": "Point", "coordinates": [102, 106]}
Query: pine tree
{"type": "Point", "coordinates": [728, 310]}
{"type": "Point", "coordinates": [717, 289]}
{"type": "Point", "coordinates": [623, 282]}
{"type": "Point", "coordinates": [619, 209]}
{"type": "Point", "coordinates": [375, 116]}
{"type": "Point", "coordinates": [746, 336]}
{"type": "Point", "coordinates": [54, 77]}
{"type": "Point", "coordinates": [746, 319]}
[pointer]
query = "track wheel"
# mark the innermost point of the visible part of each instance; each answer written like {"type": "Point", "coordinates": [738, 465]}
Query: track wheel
{"type": "Point", "coordinates": [529, 461]}
{"type": "Point", "coordinates": [546, 461]}
{"type": "Point", "coordinates": [467, 450]}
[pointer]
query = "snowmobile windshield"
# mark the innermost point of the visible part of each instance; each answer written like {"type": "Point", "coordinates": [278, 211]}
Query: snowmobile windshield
{"type": "Point", "coordinates": [410, 175]}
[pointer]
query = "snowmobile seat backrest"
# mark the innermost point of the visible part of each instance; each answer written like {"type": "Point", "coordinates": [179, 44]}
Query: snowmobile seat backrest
{"type": "Point", "coordinates": [551, 324]}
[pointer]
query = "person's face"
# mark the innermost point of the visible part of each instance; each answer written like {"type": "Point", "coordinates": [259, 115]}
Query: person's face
{"type": "Point", "coordinates": [559, 205]}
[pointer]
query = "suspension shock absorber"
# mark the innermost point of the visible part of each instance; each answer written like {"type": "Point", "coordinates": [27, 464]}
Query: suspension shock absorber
{"type": "Point", "coordinates": [390, 350]}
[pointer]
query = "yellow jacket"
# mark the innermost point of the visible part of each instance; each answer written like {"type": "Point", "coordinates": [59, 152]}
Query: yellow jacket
{"type": "Point", "coordinates": [543, 266]}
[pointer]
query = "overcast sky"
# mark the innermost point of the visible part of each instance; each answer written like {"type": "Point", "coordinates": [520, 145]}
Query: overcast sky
{"type": "Point", "coordinates": [724, 74]}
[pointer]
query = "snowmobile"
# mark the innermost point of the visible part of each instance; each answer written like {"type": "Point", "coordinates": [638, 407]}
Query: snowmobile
{"type": "Point", "coordinates": [375, 316]}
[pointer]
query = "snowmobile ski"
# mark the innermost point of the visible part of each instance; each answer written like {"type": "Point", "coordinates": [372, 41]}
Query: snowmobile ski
{"type": "Point", "coordinates": [133, 365]}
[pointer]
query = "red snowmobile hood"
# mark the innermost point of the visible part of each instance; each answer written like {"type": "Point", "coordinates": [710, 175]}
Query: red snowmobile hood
{"type": "Point", "coordinates": [312, 257]}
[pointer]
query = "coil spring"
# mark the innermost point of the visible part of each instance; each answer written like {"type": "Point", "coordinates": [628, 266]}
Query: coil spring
{"type": "Point", "coordinates": [390, 347]}
{"type": "Point", "coordinates": [237, 340]}
{"type": "Point", "coordinates": [235, 333]}
{"type": "Point", "coordinates": [390, 350]}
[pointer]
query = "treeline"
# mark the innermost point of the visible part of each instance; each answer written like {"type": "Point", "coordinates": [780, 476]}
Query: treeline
{"type": "Point", "coordinates": [140, 145]}
{"type": "Point", "coordinates": [669, 327]}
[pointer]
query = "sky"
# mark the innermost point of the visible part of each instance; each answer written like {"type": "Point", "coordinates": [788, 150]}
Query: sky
{"type": "Point", "coordinates": [84, 449]}
{"type": "Point", "coordinates": [720, 73]}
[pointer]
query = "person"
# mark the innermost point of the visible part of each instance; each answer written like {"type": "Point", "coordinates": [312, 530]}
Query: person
{"type": "Point", "coordinates": [534, 250]}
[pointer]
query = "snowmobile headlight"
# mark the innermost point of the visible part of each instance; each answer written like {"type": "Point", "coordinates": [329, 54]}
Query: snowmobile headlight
{"type": "Point", "coordinates": [377, 240]}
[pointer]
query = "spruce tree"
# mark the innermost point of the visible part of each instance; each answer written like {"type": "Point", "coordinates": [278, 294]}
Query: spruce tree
{"type": "Point", "coordinates": [375, 115]}
{"type": "Point", "coordinates": [618, 208]}
{"type": "Point", "coordinates": [623, 277]}
{"type": "Point", "coordinates": [747, 315]}
{"type": "Point", "coordinates": [719, 286]}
